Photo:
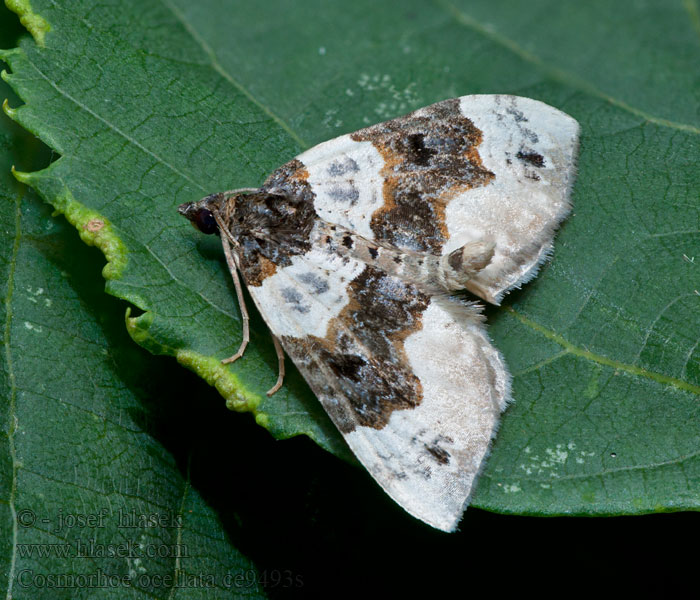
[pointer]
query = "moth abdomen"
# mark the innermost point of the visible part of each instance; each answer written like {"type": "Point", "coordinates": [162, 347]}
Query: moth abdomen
{"type": "Point", "coordinates": [430, 272]}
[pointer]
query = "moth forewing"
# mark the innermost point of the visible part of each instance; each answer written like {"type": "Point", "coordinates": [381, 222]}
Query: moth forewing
{"type": "Point", "coordinates": [350, 251]}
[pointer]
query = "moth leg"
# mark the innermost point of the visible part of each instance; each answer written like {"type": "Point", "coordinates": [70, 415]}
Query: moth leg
{"type": "Point", "coordinates": [280, 366]}
{"type": "Point", "coordinates": [233, 268]}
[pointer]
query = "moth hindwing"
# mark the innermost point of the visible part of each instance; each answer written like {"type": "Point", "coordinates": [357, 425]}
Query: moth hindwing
{"type": "Point", "coordinates": [351, 253]}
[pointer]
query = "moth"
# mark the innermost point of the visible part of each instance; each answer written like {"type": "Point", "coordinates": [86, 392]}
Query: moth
{"type": "Point", "coordinates": [354, 253]}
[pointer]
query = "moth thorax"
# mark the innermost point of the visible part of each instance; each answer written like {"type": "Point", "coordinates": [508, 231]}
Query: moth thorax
{"type": "Point", "coordinates": [274, 214]}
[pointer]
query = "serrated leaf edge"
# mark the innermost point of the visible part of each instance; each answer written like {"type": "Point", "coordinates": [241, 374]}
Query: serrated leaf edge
{"type": "Point", "coordinates": [35, 24]}
{"type": "Point", "coordinates": [96, 230]}
{"type": "Point", "coordinates": [210, 369]}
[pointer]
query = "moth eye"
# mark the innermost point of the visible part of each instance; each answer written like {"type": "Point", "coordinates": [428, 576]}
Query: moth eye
{"type": "Point", "coordinates": [206, 222]}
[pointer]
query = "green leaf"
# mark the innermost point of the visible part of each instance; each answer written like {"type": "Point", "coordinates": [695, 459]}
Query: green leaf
{"type": "Point", "coordinates": [152, 104]}
{"type": "Point", "coordinates": [85, 471]}
{"type": "Point", "coordinates": [158, 263]}
{"type": "Point", "coordinates": [78, 445]}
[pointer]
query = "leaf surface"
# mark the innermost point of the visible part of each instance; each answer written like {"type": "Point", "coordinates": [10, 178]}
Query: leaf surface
{"type": "Point", "coordinates": [93, 503]}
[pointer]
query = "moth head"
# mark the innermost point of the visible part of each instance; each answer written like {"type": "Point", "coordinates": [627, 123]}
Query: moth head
{"type": "Point", "coordinates": [201, 213]}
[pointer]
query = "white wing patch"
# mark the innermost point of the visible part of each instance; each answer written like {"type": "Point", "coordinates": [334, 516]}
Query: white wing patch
{"type": "Point", "coordinates": [302, 298]}
{"type": "Point", "coordinates": [428, 458]}
{"type": "Point", "coordinates": [427, 455]}
{"type": "Point", "coordinates": [531, 148]}
{"type": "Point", "coordinates": [345, 179]}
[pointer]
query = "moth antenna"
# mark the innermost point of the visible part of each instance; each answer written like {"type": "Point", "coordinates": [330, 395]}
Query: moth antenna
{"type": "Point", "coordinates": [277, 191]}
{"type": "Point", "coordinates": [245, 190]}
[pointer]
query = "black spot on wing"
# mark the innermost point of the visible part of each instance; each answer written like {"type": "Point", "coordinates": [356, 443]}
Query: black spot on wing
{"type": "Point", "coordinates": [439, 454]}
{"type": "Point", "coordinates": [347, 366]}
{"type": "Point", "coordinates": [533, 158]}
{"type": "Point", "coordinates": [429, 157]}
{"type": "Point", "coordinates": [418, 152]}
{"type": "Point", "coordinates": [518, 115]}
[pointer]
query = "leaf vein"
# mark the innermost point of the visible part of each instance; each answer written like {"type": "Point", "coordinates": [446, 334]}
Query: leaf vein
{"type": "Point", "coordinates": [116, 129]}
{"type": "Point", "coordinates": [556, 73]}
{"type": "Point", "coordinates": [650, 329]}
{"type": "Point", "coordinates": [604, 360]}
{"type": "Point", "coordinates": [216, 65]}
